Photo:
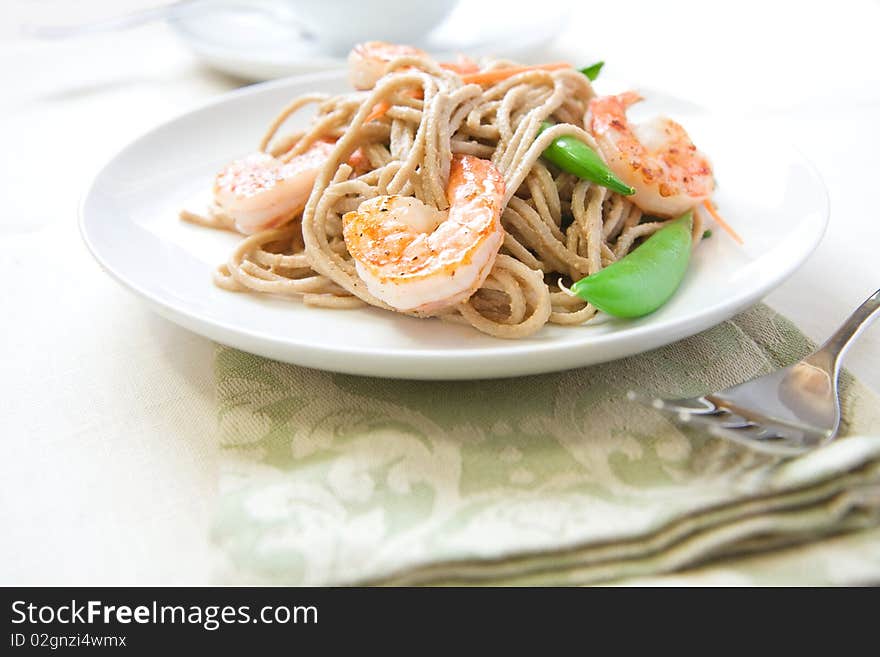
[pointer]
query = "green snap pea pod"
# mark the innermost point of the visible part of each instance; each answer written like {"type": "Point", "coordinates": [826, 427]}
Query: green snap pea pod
{"type": "Point", "coordinates": [645, 279]}
{"type": "Point", "coordinates": [592, 71]}
{"type": "Point", "coordinates": [572, 155]}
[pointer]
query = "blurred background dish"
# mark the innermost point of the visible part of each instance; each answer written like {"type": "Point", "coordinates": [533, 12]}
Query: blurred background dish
{"type": "Point", "coordinates": [337, 25]}
{"type": "Point", "coordinates": [263, 45]}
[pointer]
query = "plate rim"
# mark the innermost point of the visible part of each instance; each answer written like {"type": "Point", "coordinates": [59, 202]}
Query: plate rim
{"type": "Point", "coordinates": [395, 364]}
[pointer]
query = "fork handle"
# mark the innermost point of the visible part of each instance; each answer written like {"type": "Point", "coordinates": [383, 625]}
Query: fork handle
{"type": "Point", "coordinates": [828, 356]}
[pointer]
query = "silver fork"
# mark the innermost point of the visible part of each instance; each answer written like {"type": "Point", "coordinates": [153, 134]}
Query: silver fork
{"type": "Point", "coordinates": [789, 411]}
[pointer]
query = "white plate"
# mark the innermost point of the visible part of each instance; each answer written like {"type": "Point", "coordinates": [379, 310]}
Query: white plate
{"type": "Point", "coordinates": [129, 221]}
{"type": "Point", "coordinates": [255, 47]}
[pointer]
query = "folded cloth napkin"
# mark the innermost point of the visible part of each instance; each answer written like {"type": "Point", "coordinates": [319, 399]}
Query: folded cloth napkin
{"type": "Point", "coordinates": [551, 479]}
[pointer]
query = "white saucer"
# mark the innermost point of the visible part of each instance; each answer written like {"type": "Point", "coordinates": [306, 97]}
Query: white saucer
{"type": "Point", "coordinates": [256, 47]}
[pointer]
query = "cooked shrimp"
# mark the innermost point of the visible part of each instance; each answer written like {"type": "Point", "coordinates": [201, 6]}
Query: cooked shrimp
{"type": "Point", "coordinates": [462, 65]}
{"type": "Point", "coordinates": [416, 258]}
{"type": "Point", "coordinates": [260, 191]}
{"type": "Point", "coordinates": [657, 157]}
{"type": "Point", "coordinates": [367, 62]}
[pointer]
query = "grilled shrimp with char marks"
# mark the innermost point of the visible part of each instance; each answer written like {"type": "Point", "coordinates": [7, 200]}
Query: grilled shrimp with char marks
{"type": "Point", "coordinates": [417, 258]}
{"type": "Point", "coordinates": [656, 157]}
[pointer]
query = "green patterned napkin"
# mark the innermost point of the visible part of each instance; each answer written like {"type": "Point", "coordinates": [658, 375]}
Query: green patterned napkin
{"type": "Point", "coordinates": [551, 479]}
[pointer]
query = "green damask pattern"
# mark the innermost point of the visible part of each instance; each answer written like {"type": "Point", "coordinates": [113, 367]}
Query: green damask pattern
{"type": "Point", "coordinates": [552, 479]}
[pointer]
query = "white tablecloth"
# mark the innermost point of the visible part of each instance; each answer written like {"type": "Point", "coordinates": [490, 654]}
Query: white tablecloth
{"type": "Point", "coordinates": [106, 410]}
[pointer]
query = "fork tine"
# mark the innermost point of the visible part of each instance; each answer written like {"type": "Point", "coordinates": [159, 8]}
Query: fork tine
{"type": "Point", "coordinates": [738, 423]}
{"type": "Point", "coordinates": [762, 439]}
{"type": "Point", "coordinates": [721, 423]}
{"type": "Point", "coordinates": [690, 405]}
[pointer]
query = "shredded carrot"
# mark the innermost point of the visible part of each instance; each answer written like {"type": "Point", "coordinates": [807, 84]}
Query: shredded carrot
{"type": "Point", "coordinates": [499, 74]}
{"type": "Point", "coordinates": [717, 217]}
{"type": "Point", "coordinates": [378, 112]}
{"type": "Point", "coordinates": [380, 108]}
